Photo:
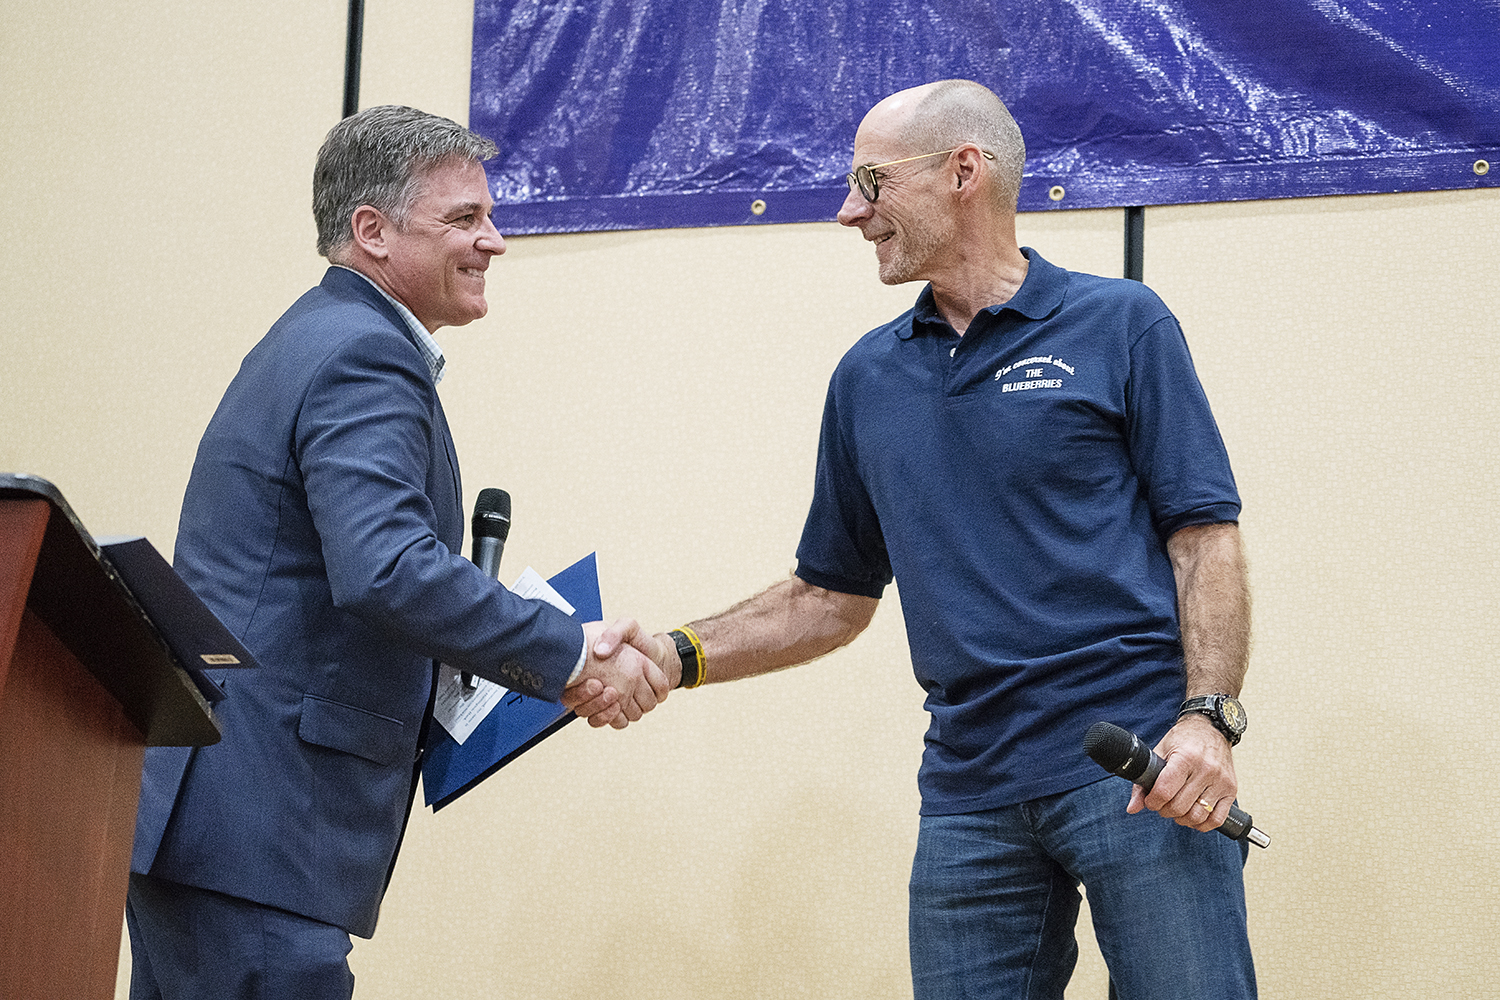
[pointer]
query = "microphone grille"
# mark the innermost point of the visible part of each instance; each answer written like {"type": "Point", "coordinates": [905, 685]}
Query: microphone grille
{"type": "Point", "coordinates": [1108, 744]}
{"type": "Point", "coordinates": [492, 514]}
{"type": "Point", "coordinates": [493, 502]}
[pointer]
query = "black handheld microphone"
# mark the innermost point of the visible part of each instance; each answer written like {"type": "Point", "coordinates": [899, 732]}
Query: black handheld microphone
{"type": "Point", "coordinates": [490, 525]}
{"type": "Point", "coordinates": [1119, 751]}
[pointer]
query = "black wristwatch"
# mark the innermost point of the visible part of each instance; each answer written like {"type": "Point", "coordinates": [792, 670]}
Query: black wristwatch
{"type": "Point", "coordinates": [1226, 713]}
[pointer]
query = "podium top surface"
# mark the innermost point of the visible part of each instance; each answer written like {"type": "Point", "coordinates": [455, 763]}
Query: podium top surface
{"type": "Point", "coordinates": [80, 596]}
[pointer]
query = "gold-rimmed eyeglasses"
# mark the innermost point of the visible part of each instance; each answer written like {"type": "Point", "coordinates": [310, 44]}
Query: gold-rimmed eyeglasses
{"type": "Point", "coordinates": [863, 179]}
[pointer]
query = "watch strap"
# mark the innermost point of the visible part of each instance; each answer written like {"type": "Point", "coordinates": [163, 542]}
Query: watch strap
{"type": "Point", "coordinates": [1204, 704]}
{"type": "Point", "coordinates": [1212, 707]}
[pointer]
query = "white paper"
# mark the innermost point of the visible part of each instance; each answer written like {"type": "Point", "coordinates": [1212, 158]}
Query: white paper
{"type": "Point", "coordinates": [460, 710]}
{"type": "Point", "coordinates": [531, 586]}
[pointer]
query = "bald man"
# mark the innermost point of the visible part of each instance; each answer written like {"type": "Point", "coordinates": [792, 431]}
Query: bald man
{"type": "Point", "coordinates": [1029, 451]}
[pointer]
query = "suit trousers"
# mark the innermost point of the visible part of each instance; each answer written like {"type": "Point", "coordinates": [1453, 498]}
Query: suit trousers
{"type": "Point", "coordinates": [191, 944]}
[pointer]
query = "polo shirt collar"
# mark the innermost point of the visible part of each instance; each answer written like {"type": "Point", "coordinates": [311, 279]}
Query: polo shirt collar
{"type": "Point", "coordinates": [1039, 295]}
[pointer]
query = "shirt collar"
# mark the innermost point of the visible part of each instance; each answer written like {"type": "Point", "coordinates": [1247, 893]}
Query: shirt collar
{"type": "Point", "coordinates": [1039, 295]}
{"type": "Point", "coordinates": [431, 352]}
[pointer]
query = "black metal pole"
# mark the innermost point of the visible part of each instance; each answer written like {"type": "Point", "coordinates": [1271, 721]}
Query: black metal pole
{"type": "Point", "coordinates": [351, 56]}
{"type": "Point", "coordinates": [1135, 243]}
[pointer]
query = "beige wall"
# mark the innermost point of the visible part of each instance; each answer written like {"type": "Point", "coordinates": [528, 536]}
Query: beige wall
{"type": "Point", "coordinates": [655, 395]}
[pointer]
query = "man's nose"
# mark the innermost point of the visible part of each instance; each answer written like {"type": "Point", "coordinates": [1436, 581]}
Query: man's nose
{"type": "Point", "coordinates": [490, 240]}
{"type": "Point", "coordinates": [854, 209]}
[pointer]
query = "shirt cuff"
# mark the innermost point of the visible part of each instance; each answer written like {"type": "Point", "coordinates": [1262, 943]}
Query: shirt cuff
{"type": "Point", "coordinates": [583, 657]}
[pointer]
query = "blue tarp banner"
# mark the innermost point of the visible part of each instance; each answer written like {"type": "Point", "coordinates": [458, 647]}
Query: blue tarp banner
{"type": "Point", "coordinates": [634, 114]}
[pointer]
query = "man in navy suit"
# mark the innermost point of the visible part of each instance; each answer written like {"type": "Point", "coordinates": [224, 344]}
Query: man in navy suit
{"type": "Point", "coordinates": [323, 523]}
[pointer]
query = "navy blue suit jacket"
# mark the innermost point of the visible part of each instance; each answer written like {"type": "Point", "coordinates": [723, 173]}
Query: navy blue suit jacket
{"type": "Point", "coordinates": [323, 524]}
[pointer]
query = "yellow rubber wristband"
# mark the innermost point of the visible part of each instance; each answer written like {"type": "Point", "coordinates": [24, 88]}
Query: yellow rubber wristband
{"type": "Point", "coordinates": [690, 652]}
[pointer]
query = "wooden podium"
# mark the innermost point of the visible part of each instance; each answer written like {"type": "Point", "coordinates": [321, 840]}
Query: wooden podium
{"type": "Point", "coordinates": [86, 683]}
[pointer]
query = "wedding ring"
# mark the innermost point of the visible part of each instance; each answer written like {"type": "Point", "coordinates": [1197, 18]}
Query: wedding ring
{"type": "Point", "coordinates": [1206, 804]}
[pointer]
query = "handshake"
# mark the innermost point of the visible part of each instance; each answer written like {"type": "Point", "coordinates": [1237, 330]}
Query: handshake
{"type": "Point", "coordinates": [626, 675]}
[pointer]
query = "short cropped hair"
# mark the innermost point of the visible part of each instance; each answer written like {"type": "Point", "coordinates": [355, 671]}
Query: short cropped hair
{"type": "Point", "coordinates": [380, 157]}
{"type": "Point", "coordinates": [959, 111]}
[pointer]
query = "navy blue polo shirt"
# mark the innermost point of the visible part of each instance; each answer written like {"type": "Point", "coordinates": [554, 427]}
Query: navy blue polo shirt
{"type": "Point", "coordinates": [1020, 482]}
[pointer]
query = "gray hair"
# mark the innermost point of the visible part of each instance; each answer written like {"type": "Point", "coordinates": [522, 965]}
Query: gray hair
{"type": "Point", "coordinates": [959, 111]}
{"type": "Point", "coordinates": [380, 157]}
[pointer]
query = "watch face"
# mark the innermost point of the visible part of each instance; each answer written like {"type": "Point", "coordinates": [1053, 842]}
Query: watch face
{"type": "Point", "coordinates": [1233, 714]}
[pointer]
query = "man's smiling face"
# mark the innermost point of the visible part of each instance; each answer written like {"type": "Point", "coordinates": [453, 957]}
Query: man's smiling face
{"type": "Point", "coordinates": [906, 222]}
{"type": "Point", "coordinates": [438, 259]}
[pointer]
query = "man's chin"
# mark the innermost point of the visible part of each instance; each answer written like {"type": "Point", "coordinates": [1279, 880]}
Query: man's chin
{"type": "Point", "coordinates": [470, 315]}
{"type": "Point", "coordinates": [891, 265]}
{"type": "Point", "coordinates": [894, 273]}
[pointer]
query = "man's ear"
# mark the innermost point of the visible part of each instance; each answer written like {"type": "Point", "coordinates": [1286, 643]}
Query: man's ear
{"type": "Point", "coordinates": [369, 225]}
{"type": "Point", "coordinates": [968, 167]}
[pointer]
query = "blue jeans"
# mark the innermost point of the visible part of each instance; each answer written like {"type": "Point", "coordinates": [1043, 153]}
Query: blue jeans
{"type": "Point", "coordinates": [994, 901]}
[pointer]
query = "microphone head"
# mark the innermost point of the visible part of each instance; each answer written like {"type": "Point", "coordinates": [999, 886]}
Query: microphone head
{"type": "Point", "coordinates": [492, 514]}
{"type": "Point", "coordinates": [1109, 745]}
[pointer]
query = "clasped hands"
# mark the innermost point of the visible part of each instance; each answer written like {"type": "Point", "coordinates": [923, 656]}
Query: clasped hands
{"type": "Point", "coordinates": [624, 677]}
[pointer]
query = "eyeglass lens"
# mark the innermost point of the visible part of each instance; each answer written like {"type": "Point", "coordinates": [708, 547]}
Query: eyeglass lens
{"type": "Point", "coordinates": [863, 180]}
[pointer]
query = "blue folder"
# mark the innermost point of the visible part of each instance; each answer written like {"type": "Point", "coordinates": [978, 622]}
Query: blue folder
{"type": "Point", "coordinates": [515, 725]}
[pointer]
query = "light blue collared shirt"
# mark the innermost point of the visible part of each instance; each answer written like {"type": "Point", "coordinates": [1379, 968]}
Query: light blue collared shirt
{"type": "Point", "coordinates": [431, 352]}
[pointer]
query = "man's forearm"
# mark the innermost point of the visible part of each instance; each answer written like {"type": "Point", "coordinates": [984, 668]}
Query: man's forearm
{"type": "Point", "coordinates": [786, 624]}
{"type": "Point", "coordinates": [1213, 604]}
